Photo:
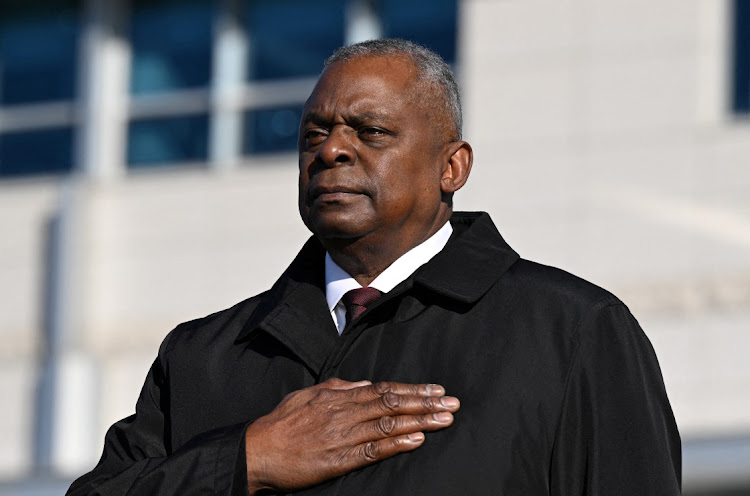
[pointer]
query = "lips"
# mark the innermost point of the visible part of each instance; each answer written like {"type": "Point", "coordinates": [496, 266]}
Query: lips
{"type": "Point", "coordinates": [332, 193]}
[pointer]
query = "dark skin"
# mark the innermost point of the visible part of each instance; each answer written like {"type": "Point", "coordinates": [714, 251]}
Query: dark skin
{"type": "Point", "coordinates": [377, 174]}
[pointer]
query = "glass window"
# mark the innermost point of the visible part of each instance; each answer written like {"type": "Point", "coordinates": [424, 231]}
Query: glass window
{"type": "Point", "coordinates": [170, 139]}
{"type": "Point", "coordinates": [741, 83]}
{"type": "Point", "coordinates": [171, 43]}
{"type": "Point", "coordinates": [431, 23]}
{"type": "Point", "coordinates": [272, 130]}
{"type": "Point", "coordinates": [292, 38]}
{"type": "Point", "coordinates": [38, 50]}
{"type": "Point", "coordinates": [36, 152]}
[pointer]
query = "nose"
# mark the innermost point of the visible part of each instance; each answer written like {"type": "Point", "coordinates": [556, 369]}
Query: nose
{"type": "Point", "coordinates": [337, 149]}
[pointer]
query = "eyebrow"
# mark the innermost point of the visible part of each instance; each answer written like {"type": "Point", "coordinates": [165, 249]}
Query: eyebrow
{"type": "Point", "coordinates": [314, 117]}
{"type": "Point", "coordinates": [373, 115]}
{"type": "Point", "coordinates": [356, 118]}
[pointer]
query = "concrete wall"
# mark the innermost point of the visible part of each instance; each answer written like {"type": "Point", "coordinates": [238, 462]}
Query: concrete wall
{"type": "Point", "coordinates": [24, 210]}
{"type": "Point", "coordinates": [604, 146]}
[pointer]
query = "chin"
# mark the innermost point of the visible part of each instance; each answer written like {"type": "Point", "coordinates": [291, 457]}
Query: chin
{"type": "Point", "coordinates": [336, 227]}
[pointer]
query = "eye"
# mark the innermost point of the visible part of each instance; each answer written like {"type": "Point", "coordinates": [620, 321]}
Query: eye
{"type": "Point", "coordinates": [314, 137]}
{"type": "Point", "coordinates": [372, 133]}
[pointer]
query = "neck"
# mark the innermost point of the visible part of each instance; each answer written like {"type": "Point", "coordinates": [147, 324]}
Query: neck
{"type": "Point", "coordinates": [365, 258]}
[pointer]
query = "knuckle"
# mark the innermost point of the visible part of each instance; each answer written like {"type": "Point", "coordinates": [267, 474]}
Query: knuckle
{"type": "Point", "coordinates": [423, 421]}
{"type": "Point", "coordinates": [385, 425]}
{"type": "Point", "coordinates": [390, 401]}
{"type": "Point", "coordinates": [370, 451]}
{"type": "Point", "coordinates": [382, 387]}
{"type": "Point", "coordinates": [289, 397]}
{"type": "Point", "coordinates": [324, 396]}
{"type": "Point", "coordinates": [429, 403]}
{"type": "Point", "coordinates": [294, 399]}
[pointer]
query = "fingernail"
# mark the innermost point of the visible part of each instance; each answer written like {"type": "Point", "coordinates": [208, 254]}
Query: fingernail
{"type": "Point", "coordinates": [416, 437]}
{"type": "Point", "coordinates": [435, 390]}
{"type": "Point", "coordinates": [449, 401]}
{"type": "Point", "coordinates": [442, 417]}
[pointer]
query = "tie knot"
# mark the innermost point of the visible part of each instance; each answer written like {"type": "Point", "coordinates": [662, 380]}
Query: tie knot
{"type": "Point", "coordinates": [357, 300]}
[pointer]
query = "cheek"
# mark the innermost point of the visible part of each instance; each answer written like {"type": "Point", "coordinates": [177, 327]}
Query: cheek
{"type": "Point", "coordinates": [304, 174]}
{"type": "Point", "coordinates": [302, 183]}
{"type": "Point", "coordinates": [396, 195]}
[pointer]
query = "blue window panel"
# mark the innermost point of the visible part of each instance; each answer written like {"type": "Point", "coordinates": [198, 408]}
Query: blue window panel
{"type": "Point", "coordinates": [292, 38]}
{"type": "Point", "coordinates": [741, 83]}
{"type": "Point", "coordinates": [431, 23]}
{"type": "Point", "coordinates": [38, 50]}
{"type": "Point", "coordinates": [155, 142]}
{"type": "Point", "coordinates": [37, 152]}
{"type": "Point", "coordinates": [272, 130]}
{"type": "Point", "coordinates": [171, 43]}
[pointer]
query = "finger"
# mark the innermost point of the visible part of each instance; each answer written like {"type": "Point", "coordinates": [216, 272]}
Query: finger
{"type": "Point", "coordinates": [397, 404]}
{"type": "Point", "coordinates": [374, 451]}
{"type": "Point", "coordinates": [393, 426]}
{"type": "Point", "coordinates": [380, 389]}
{"type": "Point", "coordinates": [340, 384]}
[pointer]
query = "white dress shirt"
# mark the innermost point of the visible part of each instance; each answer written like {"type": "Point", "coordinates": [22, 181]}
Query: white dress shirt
{"type": "Point", "coordinates": [338, 281]}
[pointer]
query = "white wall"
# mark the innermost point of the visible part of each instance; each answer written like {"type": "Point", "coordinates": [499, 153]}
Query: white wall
{"type": "Point", "coordinates": [24, 210]}
{"type": "Point", "coordinates": [603, 146]}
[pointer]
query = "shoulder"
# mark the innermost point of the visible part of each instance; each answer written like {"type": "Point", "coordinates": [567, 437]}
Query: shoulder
{"type": "Point", "coordinates": [552, 285]}
{"type": "Point", "coordinates": [220, 327]}
{"type": "Point", "coordinates": [563, 304]}
{"type": "Point", "coordinates": [599, 326]}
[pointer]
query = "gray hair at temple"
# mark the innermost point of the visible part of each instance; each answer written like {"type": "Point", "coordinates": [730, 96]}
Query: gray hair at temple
{"type": "Point", "coordinates": [431, 67]}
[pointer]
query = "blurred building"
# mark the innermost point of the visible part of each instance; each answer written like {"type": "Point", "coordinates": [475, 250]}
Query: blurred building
{"type": "Point", "coordinates": [148, 177]}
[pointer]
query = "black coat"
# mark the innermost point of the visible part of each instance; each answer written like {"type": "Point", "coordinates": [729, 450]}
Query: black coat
{"type": "Point", "coordinates": [560, 390]}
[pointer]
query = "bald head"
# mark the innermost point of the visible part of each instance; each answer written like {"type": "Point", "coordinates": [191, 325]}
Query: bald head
{"type": "Point", "coordinates": [437, 92]}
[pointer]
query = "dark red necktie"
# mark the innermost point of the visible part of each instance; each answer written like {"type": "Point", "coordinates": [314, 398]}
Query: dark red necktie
{"type": "Point", "coordinates": [357, 300]}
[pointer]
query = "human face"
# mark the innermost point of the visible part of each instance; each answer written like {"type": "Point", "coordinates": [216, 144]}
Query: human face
{"type": "Point", "coordinates": [371, 156]}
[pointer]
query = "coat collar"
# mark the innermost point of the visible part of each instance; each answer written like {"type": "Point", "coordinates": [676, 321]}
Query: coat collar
{"type": "Point", "coordinates": [471, 262]}
{"type": "Point", "coordinates": [294, 311]}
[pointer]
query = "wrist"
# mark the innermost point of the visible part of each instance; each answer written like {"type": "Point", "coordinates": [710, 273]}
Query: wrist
{"type": "Point", "coordinates": [253, 464]}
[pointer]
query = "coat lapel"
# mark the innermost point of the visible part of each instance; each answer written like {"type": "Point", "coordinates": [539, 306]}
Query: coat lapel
{"type": "Point", "coordinates": [294, 311]}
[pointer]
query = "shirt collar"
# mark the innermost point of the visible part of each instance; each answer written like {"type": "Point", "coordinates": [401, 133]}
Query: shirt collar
{"type": "Point", "coordinates": [338, 281]}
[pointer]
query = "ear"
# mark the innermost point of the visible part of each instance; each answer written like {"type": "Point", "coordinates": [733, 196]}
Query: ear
{"type": "Point", "coordinates": [457, 166]}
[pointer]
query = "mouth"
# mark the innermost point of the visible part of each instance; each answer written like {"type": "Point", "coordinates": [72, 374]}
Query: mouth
{"type": "Point", "coordinates": [332, 194]}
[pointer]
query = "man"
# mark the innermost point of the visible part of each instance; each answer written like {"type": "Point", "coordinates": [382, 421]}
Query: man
{"type": "Point", "coordinates": [302, 390]}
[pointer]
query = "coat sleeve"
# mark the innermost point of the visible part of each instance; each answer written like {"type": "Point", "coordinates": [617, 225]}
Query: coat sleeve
{"type": "Point", "coordinates": [616, 434]}
{"type": "Point", "coordinates": [138, 459]}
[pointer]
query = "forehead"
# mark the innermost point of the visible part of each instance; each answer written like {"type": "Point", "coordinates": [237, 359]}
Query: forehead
{"type": "Point", "coordinates": [365, 84]}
